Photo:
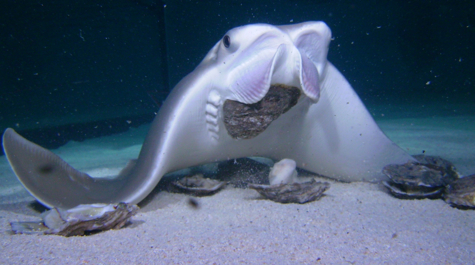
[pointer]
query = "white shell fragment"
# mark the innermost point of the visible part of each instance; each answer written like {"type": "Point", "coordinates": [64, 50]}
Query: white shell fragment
{"type": "Point", "coordinates": [78, 220]}
{"type": "Point", "coordinates": [283, 172]}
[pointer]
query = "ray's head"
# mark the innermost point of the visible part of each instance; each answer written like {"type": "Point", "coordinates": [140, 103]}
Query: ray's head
{"type": "Point", "coordinates": [249, 59]}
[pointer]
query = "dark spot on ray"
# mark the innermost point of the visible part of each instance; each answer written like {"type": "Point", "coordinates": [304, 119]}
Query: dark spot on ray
{"type": "Point", "coordinates": [46, 169]}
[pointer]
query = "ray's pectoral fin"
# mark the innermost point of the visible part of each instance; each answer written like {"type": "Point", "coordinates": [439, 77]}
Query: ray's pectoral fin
{"type": "Point", "coordinates": [49, 178]}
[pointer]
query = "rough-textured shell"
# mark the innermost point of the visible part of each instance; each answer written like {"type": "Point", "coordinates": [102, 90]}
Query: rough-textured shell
{"type": "Point", "coordinates": [198, 185]}
{"type": "Point", "coordinates": [423, 179]}
{"type": "Point", "coordinates": [293, 193]}
{"type": "Point", "coordinates": [461, 192]}
{"type": "Point", "coordinates": [413, 192]}
{"type": "Point", "coordinates": [442, 164]}
{"type": "Point", "coordinates": [246, 121]}
{"type": "Point", "coordinates": [76, 221]}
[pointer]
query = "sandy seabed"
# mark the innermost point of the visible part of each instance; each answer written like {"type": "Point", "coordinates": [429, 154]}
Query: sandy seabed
{"type": "Point", "coordinates": [357, 223]}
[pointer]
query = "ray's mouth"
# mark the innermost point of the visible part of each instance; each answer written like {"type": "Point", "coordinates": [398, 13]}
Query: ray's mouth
{"type": "Point", "coordinates": [246, 121]}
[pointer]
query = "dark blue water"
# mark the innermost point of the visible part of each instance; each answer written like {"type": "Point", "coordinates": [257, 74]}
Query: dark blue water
{"type": "Point", "coordinates": [83, 69]}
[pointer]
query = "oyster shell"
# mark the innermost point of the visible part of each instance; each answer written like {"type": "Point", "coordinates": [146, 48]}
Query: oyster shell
{"type": "Point", "coordinates": [294, 192]}
{"type": "Point", "coordinates": [461, 192]}
{"type": "Point", "coordinates": [198, 185]}
{"type": "Point", "coordinates": [76, 221]}
{"type": "Point", "coordinates": [246, 121]}
{"type": "Point", "coordinates": [426, 178]}
{"type": "Point", "coordinates": [440, 163]}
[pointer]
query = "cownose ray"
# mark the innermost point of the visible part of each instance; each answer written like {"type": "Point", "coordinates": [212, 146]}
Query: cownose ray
{"type": "Point", "coordinates": [328, 131]}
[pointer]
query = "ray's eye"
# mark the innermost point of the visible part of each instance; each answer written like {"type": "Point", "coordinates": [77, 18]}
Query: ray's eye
{"type": "Point", "coordinates": [226, 41]}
